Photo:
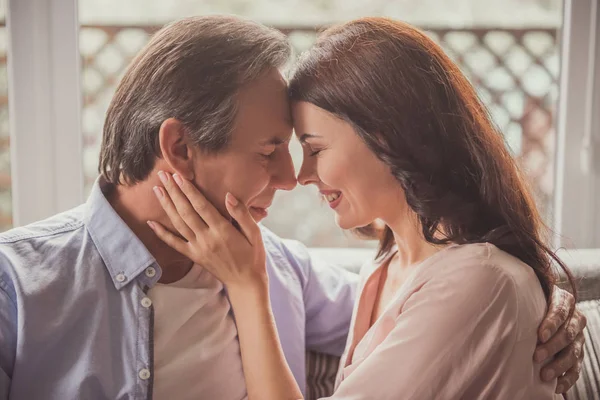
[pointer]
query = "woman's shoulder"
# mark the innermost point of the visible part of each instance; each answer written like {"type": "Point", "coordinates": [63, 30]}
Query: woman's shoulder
{"type": "Point", "coordinates": [486, 273]}
{"type": "Point", "coordinates": [487, 259]}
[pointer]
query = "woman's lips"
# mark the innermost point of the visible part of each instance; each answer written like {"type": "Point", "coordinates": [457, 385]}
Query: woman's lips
{"type": "Point", "coordinates": [333, 197]}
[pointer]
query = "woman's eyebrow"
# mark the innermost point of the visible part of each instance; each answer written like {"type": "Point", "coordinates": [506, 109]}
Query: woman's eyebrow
{"type": "Point", "coordinates": [306, 136]}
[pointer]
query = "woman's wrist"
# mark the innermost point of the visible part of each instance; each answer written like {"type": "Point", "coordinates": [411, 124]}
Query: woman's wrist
{"type": "Point", "coordinates": [252, 292]}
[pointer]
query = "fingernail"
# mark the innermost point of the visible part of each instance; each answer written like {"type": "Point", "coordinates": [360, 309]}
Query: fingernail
{"type": "Point", "coordinates": [560, 388]}
{"type": "Point", "coordinates": [541, 355]}
{"type": "Point", "coordinates": [545, 335]}
{"type": "Point", "coordinates": [177, 179]}
{"type": "Point", "coordinates": [151, 224]}
{"type": "Point", "coordinates": [549, 375]}
{"type": "Point", "coordinates": [158, 192]}
{"type": "Point", "coordinates": [163, 177]}
{"type": "Point", "coordinates": [231, 199]}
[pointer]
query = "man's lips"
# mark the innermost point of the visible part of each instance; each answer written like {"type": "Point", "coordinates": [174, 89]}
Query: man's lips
{"type": "Point", "coordinates": [262, 207]}
{"type": "Point", "coordinates": [261, 211]}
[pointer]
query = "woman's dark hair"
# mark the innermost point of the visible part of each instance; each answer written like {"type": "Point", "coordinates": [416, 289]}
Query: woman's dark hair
{"type": "Point", "coordinates": [419, 114]}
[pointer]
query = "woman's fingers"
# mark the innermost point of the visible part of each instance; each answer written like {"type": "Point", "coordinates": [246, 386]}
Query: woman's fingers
{"type": "Point", "coordinates": [204, 208]}
{"type": "Point", "coordinates": [182, 205]}
{"type": "Point", "coordinates": [243, 217]}
{"type": "Point", "coordinates": [165, 202]}
{"type": "Point", "coordinates": [234, 257]}
{"type": "Point", "coordinates": [169, 238]}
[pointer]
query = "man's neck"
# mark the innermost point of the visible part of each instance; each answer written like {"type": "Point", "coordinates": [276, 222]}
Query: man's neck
{"type": "Point", "coordinates": [136, 205]}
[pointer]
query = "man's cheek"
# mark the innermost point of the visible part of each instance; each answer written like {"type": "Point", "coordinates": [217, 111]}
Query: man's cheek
{"type": "Point", "coordinates": [216, 196]}
{"type": "Point", "coordinates": [255, 186]}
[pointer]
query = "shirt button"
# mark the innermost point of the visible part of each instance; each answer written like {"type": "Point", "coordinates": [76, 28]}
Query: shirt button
{"type": "Point", "coordinates": [150, 272]}
{"type": "Point", "coordinates": [120, 278]}
{"type": "Point", "coordinates": [144, 374]}
{"type": "Point", "coordinates": [146, 302]}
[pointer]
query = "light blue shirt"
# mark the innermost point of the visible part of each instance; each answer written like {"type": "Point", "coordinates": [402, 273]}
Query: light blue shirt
{"type": "Point", "coordinates": [74, 323]}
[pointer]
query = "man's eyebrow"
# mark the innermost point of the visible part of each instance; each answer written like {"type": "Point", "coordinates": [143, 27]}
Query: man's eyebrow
{"type": "Point", "coordinates": [274, 141]}
{"type": "Point", "coordinates": [306, 136]}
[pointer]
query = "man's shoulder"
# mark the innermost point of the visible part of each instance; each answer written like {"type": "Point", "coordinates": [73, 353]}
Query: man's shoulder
{"type": "Point", "coordinates": [292, 250]}
{"type": "Point", "coordinates": [290, 257]}
{"type": "Point", "coordinates": [40, 258]}
{"type": "Point", "coordinates": [25, 248]}
{"type": "Point", "coordinates": [64, 222]}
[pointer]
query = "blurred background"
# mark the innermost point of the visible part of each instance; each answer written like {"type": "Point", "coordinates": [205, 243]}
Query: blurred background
{"type": "Point", "coordinates": [511, 50]}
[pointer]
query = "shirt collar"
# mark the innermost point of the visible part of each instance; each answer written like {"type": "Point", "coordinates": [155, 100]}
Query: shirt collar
{"type": "Point", "coordinates": [123, 253]}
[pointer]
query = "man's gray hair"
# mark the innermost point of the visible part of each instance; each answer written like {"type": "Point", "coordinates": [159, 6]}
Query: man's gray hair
{"type": "Point", "coordinates": [191, 70]}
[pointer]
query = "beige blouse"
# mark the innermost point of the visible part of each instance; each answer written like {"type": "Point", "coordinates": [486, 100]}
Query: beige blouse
{"type": "Point", "coordinates": [462, 326]}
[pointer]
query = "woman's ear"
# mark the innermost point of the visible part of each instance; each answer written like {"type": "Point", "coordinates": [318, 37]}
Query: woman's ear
{"type": "Point", "coordinates": [175, 147]}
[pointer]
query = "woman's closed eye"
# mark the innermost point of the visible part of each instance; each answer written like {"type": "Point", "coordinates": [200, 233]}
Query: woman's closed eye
{"type": "Point", "coordinates": [314, 150]}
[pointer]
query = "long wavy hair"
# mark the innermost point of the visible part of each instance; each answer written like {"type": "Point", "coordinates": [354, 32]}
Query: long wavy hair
{"type": "Point", "coordinates": [419, 114]}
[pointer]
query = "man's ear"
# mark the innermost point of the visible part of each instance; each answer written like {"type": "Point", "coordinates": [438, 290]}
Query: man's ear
{"type": "Point", "coordinates": [175, 147]}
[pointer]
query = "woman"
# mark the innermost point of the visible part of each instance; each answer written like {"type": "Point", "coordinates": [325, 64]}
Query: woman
{"type": "Point", "coordinates": [395, 136]}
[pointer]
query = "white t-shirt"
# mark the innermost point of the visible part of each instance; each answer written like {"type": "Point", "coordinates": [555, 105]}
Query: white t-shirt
{"type": "Point", "coordinates": [196, 347]}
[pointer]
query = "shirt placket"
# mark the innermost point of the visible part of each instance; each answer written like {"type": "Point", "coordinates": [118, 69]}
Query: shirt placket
{"type": "Point", "coordinates": [145, 331]}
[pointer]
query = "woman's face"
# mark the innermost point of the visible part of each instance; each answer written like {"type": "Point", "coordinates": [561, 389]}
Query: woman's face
{"type": "Point", "coordinates": [353, 181]}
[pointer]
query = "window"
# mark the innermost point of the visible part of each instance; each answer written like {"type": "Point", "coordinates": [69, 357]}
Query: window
{"type": "Point", "coordinates": [577, 215]}
{"type": "Point", "coordinates": [43, 71]}
{"type": "Point", "coordinates": [5, 178]}
{"type": "Point", "coordinates": [512, 59]}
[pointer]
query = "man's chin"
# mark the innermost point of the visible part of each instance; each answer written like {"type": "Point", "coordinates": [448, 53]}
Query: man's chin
{"type": "Point", "coordinates": [258, 214]}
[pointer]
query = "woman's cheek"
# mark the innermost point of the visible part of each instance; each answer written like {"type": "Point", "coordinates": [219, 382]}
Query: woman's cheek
{"type": "Point", "coordinates": [332, 171]}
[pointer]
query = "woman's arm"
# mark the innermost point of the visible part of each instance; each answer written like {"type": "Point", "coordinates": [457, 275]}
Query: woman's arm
{"type": "Point", "coordinates": [236, 258]}
{"type": "Point", "coordinates": [267, 374]}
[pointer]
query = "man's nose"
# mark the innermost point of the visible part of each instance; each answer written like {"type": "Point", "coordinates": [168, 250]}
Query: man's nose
{"type": "Point", "coordinates": [284, 175]}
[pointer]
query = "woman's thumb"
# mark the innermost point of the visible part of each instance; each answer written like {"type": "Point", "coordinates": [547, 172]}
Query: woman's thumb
{"type": "Point", "coordinates": [241, 214]}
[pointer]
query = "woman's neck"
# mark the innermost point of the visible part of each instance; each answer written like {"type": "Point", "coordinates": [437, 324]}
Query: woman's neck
{"type": "Point", "coordinates": [412, 246]}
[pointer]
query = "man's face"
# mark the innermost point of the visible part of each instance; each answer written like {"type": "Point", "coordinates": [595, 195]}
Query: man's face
{"type": "Point", "coordinates": [257, 161]}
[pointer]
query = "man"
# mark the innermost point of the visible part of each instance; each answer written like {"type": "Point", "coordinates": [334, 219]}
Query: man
{"type": "Point", "coordinates": [93, 305]}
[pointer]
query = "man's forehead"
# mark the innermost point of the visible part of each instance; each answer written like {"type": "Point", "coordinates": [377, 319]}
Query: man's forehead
{"type": "Point", "coordinates": [263, 132]}
{"type": "Point", "coordinates": [263, 112]}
